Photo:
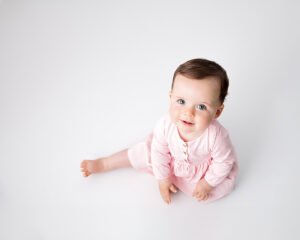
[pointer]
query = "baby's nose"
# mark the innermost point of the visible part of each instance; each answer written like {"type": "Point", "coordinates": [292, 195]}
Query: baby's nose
{"type": "Point", "coordinates": [189, 111]}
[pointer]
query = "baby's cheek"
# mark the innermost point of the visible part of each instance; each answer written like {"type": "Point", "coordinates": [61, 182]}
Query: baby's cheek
{"type": "Point", "coordinates": [175, 107]}
{"type": "Point", "coordinates": [204, 119]}
{"type": "Point", "coordinates": [174, 110]}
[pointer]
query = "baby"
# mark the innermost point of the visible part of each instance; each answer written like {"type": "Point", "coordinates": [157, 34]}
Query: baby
{"type": "Point", "coordinates": [189, 149]}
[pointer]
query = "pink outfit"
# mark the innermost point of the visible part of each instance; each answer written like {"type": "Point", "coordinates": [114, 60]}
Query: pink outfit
{"type": "Point", "coordinates": [165, 155]}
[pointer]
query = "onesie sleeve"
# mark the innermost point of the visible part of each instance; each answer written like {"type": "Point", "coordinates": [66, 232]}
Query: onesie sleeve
{"type": "Point", "coordinates": [160, 154]}
{"type": "Point", "coordinates": [223, 158]}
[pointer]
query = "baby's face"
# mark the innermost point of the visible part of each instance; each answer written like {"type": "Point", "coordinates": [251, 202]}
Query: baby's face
{"type": "Point", "coordinates": [194, 104]}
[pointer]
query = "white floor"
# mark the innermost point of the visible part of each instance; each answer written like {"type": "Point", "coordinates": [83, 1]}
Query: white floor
{"type": "Point", "coordinates": [84, 79]}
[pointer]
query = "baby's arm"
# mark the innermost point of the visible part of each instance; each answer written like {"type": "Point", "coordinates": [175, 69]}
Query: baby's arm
{"type": "Point", "coordinates": [223, 158]}
{"type": "Point", "coordinates": [160, 160]}
{"type": "Point", "coordinates": [165, 186]}
{"type": "Point", "coordinates": [202, 190]}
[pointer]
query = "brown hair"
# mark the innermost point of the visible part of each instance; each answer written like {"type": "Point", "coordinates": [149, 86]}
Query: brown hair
{"type": "Point", "coordinates": [202, 68]}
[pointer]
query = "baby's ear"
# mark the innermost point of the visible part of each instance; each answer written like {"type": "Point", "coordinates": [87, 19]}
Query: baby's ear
{"type": "Point", "coordinates": [170, 93]}
{"type": "Point", "coordinates": [219, 111]}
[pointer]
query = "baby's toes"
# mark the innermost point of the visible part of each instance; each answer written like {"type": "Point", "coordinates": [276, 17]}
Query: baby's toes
{"type": "Point", "coordinates": [83, 164]}
{"type": "Point", "coordinates": [86, 174]}
{"type": "Point", "coordinates": [84, 170]}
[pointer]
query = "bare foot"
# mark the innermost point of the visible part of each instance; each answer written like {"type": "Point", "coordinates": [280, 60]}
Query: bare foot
{"type": "Point", "coordinates": [115, 161]}
{"type": "Point", "coordinates": [92, 166]}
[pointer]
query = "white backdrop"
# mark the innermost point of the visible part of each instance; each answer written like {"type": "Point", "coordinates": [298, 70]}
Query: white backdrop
{"type": "Point", "coordinates": [82, 79]}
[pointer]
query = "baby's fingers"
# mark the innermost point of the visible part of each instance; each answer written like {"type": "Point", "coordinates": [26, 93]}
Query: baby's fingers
{"type": "Point", "coordinates": [202, 197]}
{"type": "Point", "coordinates": [167, 199]}
{"type": "Point", "coordinates": [173, 189]}
{"type": "Point", "coordinates": [165, 196]}
{"type": "Point", "coordinates": [195, 193]}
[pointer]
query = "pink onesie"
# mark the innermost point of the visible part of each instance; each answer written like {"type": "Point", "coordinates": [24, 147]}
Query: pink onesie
{"type": "Point", "coordinates": [165, 155]}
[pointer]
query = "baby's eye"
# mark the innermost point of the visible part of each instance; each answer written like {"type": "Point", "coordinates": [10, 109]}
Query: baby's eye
{"type": "Point", "coordinates": [180, 101]}
{"type": "Point", "coordinates": [201, 107]}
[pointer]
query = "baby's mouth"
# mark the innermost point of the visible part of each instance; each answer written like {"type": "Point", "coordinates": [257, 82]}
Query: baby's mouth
{"type": "Point", "coordinates": [187, 123]}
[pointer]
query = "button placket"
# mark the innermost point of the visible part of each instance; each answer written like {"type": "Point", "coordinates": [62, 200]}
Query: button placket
{"type": "Point", "coordinates": [185, 152]}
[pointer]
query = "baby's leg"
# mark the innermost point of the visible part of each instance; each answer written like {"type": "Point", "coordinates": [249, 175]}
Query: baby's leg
{"type": "Point", "coordinates": [117, 160]}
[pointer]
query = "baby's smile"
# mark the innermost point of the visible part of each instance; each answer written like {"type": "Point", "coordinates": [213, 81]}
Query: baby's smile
{"type": "Point", "coordinates": [187, 123]}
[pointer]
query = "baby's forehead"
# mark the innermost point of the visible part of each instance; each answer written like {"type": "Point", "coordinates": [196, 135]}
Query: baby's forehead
{"type": "Point", "coordinates": [210, 83]}
{"type": "Point", "coordinates": [201, 90]}
{"type": "Point", "coordinates": [181, 79]}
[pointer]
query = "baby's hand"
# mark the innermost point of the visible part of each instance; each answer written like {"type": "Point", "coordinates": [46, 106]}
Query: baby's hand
{"type": "Point", "coordinates": [165, 186]}
{"type": "Point", "coordinates": [202, 190]}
